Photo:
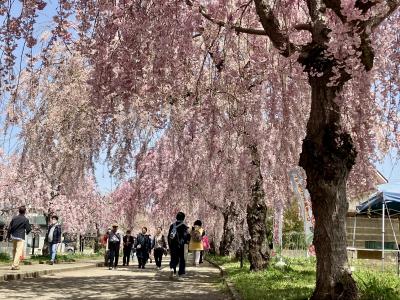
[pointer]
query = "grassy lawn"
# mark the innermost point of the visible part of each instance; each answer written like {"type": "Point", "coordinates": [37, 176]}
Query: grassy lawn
{"type": "Point", "coordinates": [297, 280]}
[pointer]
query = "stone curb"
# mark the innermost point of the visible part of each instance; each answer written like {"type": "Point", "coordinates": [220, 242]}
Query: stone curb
{"type": "Point", "coordinates": [36, 274]}
{"type": "Point", "coordinates": [234, 293]}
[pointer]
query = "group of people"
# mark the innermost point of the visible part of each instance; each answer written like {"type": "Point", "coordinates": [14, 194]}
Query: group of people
{"type": "Point", "coordinates": [20, 226]}
{"type": "Point", "coordinates": [180, 240]}
{"type": "Point", "coordinates": [142, 244]}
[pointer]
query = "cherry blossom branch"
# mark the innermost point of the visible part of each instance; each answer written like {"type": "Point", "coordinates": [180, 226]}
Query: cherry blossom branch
{"type": "Point", "coordinates": [392, 6]}
{"type": "Point", "coordinates": [303, 26]}
{"type": "Point", "coordinates": [335, 5]}
{"type": "Point", "coordinates": [238, 29]}
{"type": "Point", "coordinates": [273, 29]}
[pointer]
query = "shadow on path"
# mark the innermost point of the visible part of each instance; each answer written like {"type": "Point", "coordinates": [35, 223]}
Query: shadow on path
{"type": "Point", "coordinates": [124, 283]}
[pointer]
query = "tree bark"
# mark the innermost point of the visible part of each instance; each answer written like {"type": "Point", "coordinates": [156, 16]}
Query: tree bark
{"type": "Point", "coordinates": [328, 155]}
{"type": "Point", "coordinates": [225, 247]}
{"type": "Point", "coordinates": [257, 215]}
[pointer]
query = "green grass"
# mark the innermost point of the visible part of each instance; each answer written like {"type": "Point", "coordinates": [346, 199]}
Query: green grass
{"type": "Point", "coordinates": [70, 257]}
{"type": "Point", "coordinates": [4, 257]}
{"type": "Point", "coordinates": [297, 280]}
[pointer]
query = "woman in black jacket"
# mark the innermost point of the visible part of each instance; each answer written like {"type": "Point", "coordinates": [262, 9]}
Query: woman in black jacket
{"type": "Point", "coordinates": [143, 247]}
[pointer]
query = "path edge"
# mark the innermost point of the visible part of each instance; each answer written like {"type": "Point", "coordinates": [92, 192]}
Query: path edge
{"type": "Point", "coordinates": [231, 287]}
{"type": "Point", "coordinates": [36, 274]}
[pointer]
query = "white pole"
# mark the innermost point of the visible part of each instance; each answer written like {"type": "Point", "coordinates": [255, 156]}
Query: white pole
{"type": "Point", "coordinates": [354, 230]}
{"type": "Point", "coordinates": [383, 233]}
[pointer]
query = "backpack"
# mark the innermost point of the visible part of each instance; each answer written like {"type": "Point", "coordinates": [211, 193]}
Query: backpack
{"type": "Point", "coordinates": [206, 243]}
{"type": "Point", "coordinates": [196, 236]}
{"type": "Point", "coordinates": [174, 235]}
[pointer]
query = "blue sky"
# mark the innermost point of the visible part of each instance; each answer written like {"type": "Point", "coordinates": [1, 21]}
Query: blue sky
{"type": "Point", "coordinates": [390, 168]}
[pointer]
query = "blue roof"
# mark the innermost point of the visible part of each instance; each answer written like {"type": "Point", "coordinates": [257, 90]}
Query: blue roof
{"type": "Point", "coordinates": [388, 192]}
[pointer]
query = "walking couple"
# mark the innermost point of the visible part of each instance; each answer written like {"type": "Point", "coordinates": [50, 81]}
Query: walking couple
{"type": "Point", "coordinates": [178, 237]}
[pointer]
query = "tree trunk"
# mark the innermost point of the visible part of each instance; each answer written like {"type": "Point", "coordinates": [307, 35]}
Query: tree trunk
{"type": "Point", "coordinates": [257, 215]}
{"type": "Point", "coordinates": [327, 157]}
{"type": "Point", "coordinates": [228, 235]}
{"type": "Point", "coordinates": [45, 249]}
{"type": "Point", "coordinates": [97, 240]}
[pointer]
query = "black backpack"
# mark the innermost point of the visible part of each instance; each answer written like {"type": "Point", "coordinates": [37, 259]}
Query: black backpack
{"type": "Point", "coordinates": [174, 235]}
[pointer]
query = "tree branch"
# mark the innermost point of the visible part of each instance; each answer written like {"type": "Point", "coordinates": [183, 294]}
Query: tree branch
{"type": "Point", "coordinates": [392, 6]}
{"type": "Point", "coordinates": [303, 26]}
{"type": "Point", "coordinates": [335, 5]}
{"type": "Point", "coordinates": [238, 29]}
{"type": "Point", "coordinates": [273, 30]}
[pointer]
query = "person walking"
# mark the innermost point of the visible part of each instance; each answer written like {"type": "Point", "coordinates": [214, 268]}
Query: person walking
{"type": "Point", "coordinates": [128, 245]}
{"type": "Point", "coordinates": [177, 236]}
{"type": "Point", "coordinates": [114, 242]}
{"type": "Point", "coordinates": [54, 238]}
{"type": "Point", "coordinates": [143, 247]}
{"type": "Point", "coordinates": [160, 247]}
{"type": "Point", "coordinates": [19, 225]}
{"type": "Point", "coordinates": [196, 244]}
{"type": "Point", "coordinates": [104, 242]}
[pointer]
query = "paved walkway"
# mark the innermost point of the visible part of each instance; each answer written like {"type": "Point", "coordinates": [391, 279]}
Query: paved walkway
{"type": "Point", "coordinates": [202, 283]}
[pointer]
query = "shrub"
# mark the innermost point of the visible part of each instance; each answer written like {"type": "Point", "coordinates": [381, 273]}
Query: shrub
{"type": "Point", "coordinates": [5, 257]}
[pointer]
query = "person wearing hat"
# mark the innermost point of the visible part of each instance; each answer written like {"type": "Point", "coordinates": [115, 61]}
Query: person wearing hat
{"type": "Point", "coordinates": [196, 242]}
{"type": "Point", "coordinates": [114, 242]}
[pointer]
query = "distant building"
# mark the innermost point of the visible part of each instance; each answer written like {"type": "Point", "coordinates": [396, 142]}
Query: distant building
{"type": "Point", "coordinates": [364, 232]}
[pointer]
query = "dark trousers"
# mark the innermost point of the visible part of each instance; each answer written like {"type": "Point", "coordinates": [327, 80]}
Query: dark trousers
{"type": "Point", "coordinates": [142, 256]}
{"type": "Point", "coordinates": [114, 254]}
{"type": "Point", "coordinates": [142, 261]}
{"type": "Point", "coordinates": [127, 255]}
{"type": "Point", "coordinates": [178, 257]}
{"type": "Point", "coordinates": [201, 256]}
{"type": "Point", "coordinates": [158, 254]}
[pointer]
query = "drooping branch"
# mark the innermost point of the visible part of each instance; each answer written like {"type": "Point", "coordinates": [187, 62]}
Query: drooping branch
{"type": "Point", "coordinates": [335, 5]}
{"type": "Point", "coordinates": [273, 29]}
{"type": "Point", "coordinates": [303, 26]}
{"type": "Point", "coordinates": [238, 29]}
{"type": "Point", "coordinates": [378, 19]}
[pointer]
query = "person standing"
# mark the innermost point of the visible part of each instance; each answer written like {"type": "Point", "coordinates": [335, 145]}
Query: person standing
{"type": "Point", "coordinates": [128, 245]}
{"type": "Point", "coordinates": [104, 242]}
{"type": "Point", "coordinates": [206, 246]}
{"type": "Point", "coordinates": [143, 247]}
{"type": "Point", "coordinates": [114, 242]}
{"type": "Point", "coordinates": [160, 247]}
{"type": "Point", "coordinates": [19, 225]}
{"type": "Point", "coordinates": [177, 236]}
{"type": "Point", "coordinates": [196, 242]}
{"type": "Point", "coordinates": [54, 238]}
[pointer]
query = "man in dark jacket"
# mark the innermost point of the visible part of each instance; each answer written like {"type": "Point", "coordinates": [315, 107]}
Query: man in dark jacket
{"type": "Point", "coordinates": [128, 244]}
{"type": "Point", "coordinates": [177, 237]}
{"type": "Point", "coordinates": [114, 243]}
{"type": "Point", "coordinates": [54, 238]}
{"type": "Point", "coordinates": [16, 232]}
{"type": "Point", "coordinates": [143, 247]}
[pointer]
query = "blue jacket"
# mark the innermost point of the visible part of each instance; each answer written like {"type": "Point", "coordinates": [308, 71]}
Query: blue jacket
{"type": "Point", "coordinates": [56, 234]}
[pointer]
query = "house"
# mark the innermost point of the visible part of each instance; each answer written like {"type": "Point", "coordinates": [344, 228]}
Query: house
{"type": "Point", "coordinates": [364, 232]}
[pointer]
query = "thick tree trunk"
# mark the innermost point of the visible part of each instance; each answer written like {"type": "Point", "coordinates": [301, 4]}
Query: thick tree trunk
{"type": "Point", "coordinates": [327, 156]}
{"type": "Point", "coordinates": [225, 245]}
{"type": "Point", "coordinates": [229, 214]}
{"type": "Point", "coordinates": [256, 216]}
